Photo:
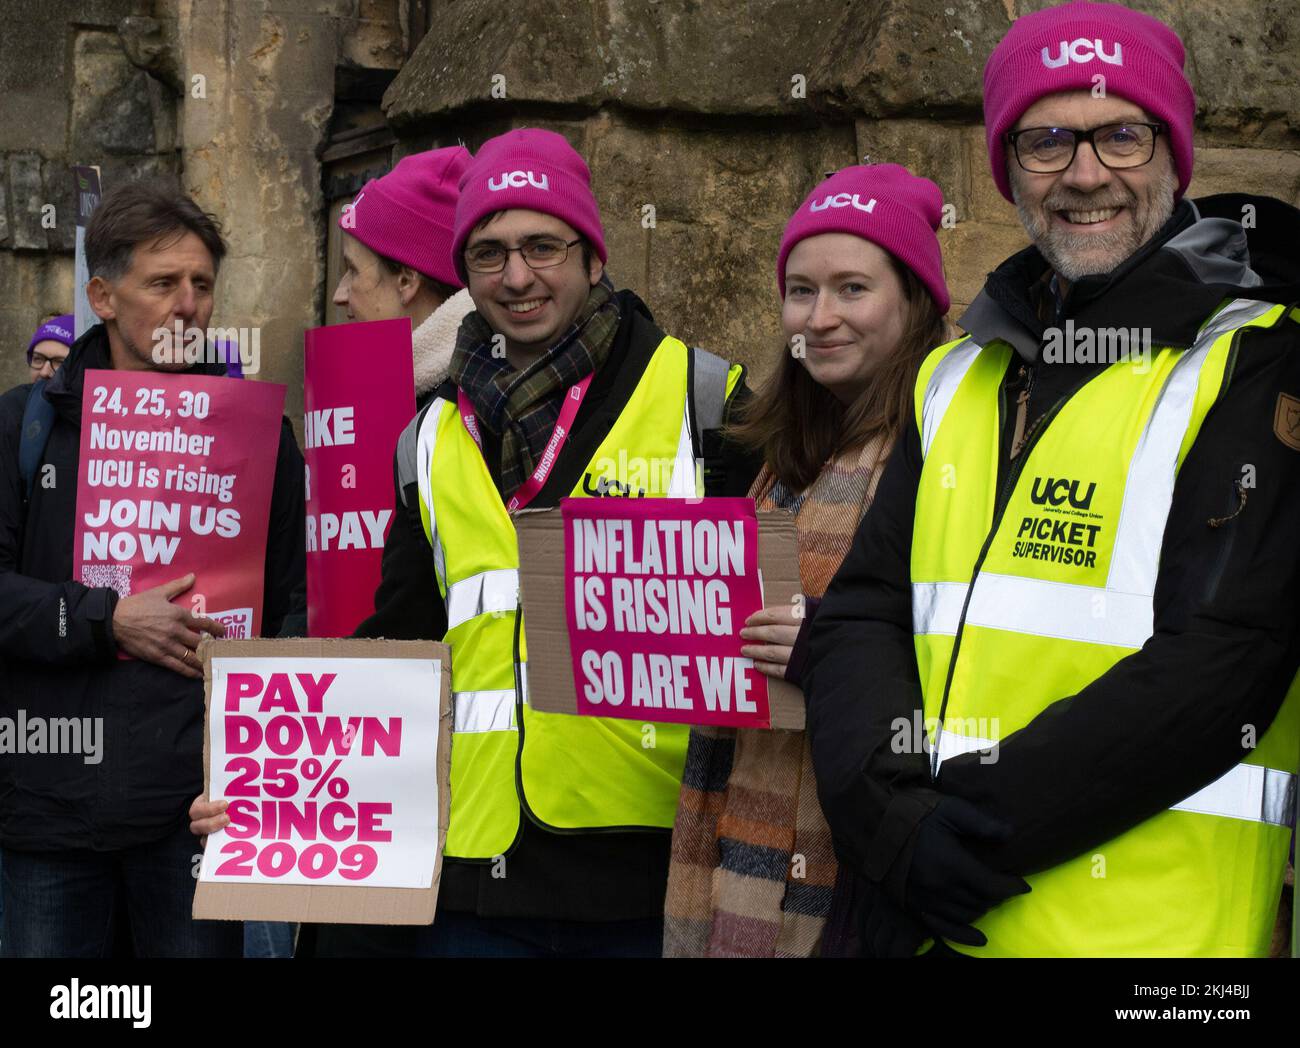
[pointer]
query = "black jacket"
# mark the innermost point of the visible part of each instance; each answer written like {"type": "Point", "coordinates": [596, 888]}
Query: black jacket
{"type": "Point", "coordinates": [584, 876]}
{"type": "Point", "coordinates": [1167, 719]}
{"type": "Point", "coordinates": [58, 658]}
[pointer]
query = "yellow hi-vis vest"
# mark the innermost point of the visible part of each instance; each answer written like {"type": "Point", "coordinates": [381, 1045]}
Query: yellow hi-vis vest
{"type": "Point", "coordinates": [567, 772]}
{"type": "Point", "coordinates": [1020, 602]}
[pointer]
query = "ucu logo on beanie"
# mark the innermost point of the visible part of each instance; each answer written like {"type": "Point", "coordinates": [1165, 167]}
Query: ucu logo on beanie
{"type": "Point", "coordinates": [517, 180]}
{"type": "Point", "coordinates": [1082, 51]}
{"type": "Point", "coordinates": [843, 200]}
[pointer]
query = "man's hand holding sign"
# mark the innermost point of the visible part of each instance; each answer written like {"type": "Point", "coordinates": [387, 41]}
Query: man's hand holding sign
{"type": "Point", "coordinates": [149, 626]}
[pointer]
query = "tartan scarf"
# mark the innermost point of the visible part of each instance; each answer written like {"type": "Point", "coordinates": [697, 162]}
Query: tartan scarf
{"type": "Point", "coordinates": [753, 868]}
{"type": "Point", "coordinates": [522, 407]}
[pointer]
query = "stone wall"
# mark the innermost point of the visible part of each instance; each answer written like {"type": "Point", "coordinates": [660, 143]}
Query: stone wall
{"type": "Point", "coordinates": [63, 84]}
{"type": "Point", "coordinates": [704, 124]}
{"type": "Point", "coordinates": [722, 116]}
{"type": "Point", "coordinates": [233, 96]}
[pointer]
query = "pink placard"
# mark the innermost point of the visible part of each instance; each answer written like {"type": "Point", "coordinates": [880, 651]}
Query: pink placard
{"type": "Point", "coordinates": [358, 396]}
{"type": "Point", "coordinates": [175, 477]}
{"type": "Point", "coordinates": [656, 593]}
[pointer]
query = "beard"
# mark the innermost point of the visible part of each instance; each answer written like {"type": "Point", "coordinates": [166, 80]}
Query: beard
{"type": "Point", "coordinates": [1076, 255]}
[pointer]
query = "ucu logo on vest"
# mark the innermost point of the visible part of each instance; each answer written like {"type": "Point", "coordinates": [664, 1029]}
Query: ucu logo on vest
{"type": "Point", "coordinates": [1053, 492]}
{"type": "Point", "coordinates": [844, 200]}
{"type": "Point", "coordinates": [606, 488]}
{"type": "Point", "coordinates": [1081, 51]}
{"type": "Point", "coordinates": [517, 180]}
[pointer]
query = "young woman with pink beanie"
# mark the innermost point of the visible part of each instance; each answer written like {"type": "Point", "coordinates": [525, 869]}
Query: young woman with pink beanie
{"type": "Point", "coordinates": [863, 300]}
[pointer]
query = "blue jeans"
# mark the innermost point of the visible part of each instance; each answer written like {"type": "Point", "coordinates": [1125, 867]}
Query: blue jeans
{"type": "Point", "coordinates": [467, 935]}
{"type": "Point", "coordinates": [61, 904]}
{"type": "Point", "coordinates": [268, 939]}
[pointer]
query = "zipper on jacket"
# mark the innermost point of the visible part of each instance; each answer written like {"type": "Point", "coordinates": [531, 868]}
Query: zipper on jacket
{"type": "Point", "coordinates": [999, 507]}
{"type": "Point", "coordinates": [1025, 375]}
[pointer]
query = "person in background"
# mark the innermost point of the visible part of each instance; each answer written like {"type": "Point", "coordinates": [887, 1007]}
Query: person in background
{"type": "Point", "coordinates": [862, 301]}
{"type": "Point", "coordinates": [397, 263]}
{"type": "Point", "coordinates": [49, 347]}
{"type": "Point", "coordinates": [397, 258]}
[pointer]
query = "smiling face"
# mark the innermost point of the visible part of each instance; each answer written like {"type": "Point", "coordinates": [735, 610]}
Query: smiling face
{"type": "Point", "coordinates": [170, 278]}
{"type": "Point", "coordinates": [532, 308]}
{"type": "Point", "coordinates": [844, 298]}
{"type": "Point", "coordinates": [1089, 218]}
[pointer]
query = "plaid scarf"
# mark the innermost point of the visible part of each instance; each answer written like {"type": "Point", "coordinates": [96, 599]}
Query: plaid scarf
{"type": "Point", "coordinates": [522, 407]}
{"type": "Point", "coordinates": [748, 804]}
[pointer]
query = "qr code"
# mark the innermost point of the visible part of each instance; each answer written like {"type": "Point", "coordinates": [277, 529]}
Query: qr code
{"type": "Point", "coordinates": [114, 576]}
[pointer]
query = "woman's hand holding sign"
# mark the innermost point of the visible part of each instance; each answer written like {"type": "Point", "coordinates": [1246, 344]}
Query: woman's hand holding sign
{"type": "Point", "coordinates": [776, 627]}
{"type": "Point", "coordinates": [148, 626]}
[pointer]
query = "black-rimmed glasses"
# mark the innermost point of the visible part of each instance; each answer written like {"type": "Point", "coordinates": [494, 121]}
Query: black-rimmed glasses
{"type": "Point", "coordinates": [1047, 150]}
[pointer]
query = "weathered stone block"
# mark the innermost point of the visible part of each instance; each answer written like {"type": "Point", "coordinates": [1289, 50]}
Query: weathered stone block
{"type": "Point", "coordinates": [111, 113]}
{"type": "Point", "coordinates": [28, 197]}
{"type": "Point", "coordinates": [60, 191]}
{"type": "Point", "coordinates": [925, 148]}
{"type": "Point", "coordinates": [1243, 65]}
{"type": "Point", "coordinates": [971, 251]}
{"type": "Point", "coordinates": [1270, 172]}
{"type": "Point", "coordinates": [756, 57]}
{"type": "Point", "coordinates": [898, 56]}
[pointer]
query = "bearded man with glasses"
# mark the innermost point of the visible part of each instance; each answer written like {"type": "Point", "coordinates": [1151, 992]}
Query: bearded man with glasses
{"type": "Point", "coordinates": [1080, 571]}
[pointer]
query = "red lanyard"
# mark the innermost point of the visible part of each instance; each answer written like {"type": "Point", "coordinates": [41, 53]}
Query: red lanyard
{"type": "Point", "coordinates": [568, 412]}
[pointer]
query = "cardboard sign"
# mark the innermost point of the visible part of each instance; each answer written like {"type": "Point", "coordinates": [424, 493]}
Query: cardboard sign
{"type": "Point", "coordinates": [175, 477]}
{"type": "Point", "coordinates": [85, 182]}
{"type": "Point", "coordinates": [544, 583]}
{"type": "Point", "coordinates": [358, 396]}
{"type": "Point", "coordinates": [656, 593]}
{"type": "Point", "coordinates": [335, 758]}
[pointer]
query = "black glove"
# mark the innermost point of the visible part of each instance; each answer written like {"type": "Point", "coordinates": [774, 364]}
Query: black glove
{"type": "Point", "coordinates": [884, 929]}
{"type": "Point", "coordinates": [948, 886]}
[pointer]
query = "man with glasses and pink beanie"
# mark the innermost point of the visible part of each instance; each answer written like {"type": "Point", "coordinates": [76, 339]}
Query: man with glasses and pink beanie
{"type": "Point", "coordinates": [558, 837]}
{"type": "Point", "coordinates": [1053, 696]}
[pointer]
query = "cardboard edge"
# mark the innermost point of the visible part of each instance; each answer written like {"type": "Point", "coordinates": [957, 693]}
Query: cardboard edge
{"type": "Point", "coordinates": [778, 561]}
{"type": "Point", "coordinates": [332, 904]}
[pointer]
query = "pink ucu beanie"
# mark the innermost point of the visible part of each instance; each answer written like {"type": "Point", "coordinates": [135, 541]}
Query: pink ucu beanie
{"type": "Point", "coordinates": [1064, 48]}
{"type": "Point", "coordinates": [407, 215]}
{"type": "Point", "coordinates": [883, 203]}
{"type": "Point", "coordinates": [532, 169]}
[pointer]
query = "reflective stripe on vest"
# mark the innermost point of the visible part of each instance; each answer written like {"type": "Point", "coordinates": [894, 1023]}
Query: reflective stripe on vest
{"type": "Point", "coordinates": [479, 594]}
{"type": "Point", "coordinates": [1245, 791]}
{"type": "Point", "coordinates": [569, 772]}
{"type": "Point", "coordinates": [1023, 597]}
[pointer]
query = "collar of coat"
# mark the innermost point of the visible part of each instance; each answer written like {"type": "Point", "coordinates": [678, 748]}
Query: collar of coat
{"type": "Point", "coordinates": [1227, 246]}
{"type": "Point", "coordinates": [433, 342]}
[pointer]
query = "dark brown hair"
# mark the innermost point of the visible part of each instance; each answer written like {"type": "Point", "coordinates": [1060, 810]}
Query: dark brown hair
{"type": "Point", "coordinates": [134, 213]}
{"type": "Point", "coordinates": [799, 425]}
